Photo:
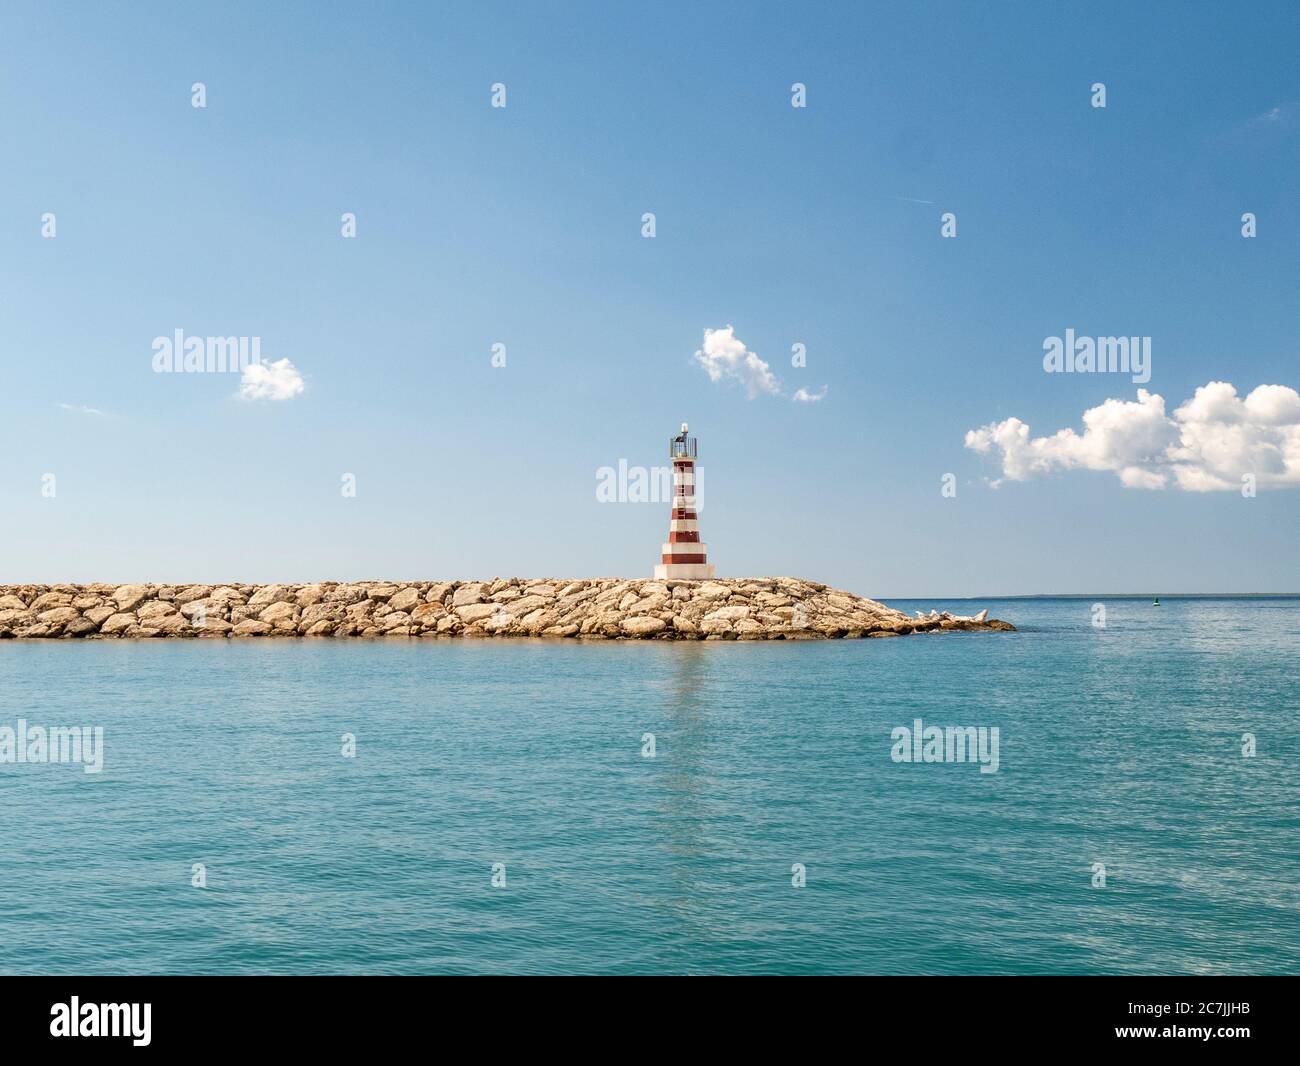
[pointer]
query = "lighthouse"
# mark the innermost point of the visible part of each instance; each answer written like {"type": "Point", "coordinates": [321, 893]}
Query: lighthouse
{"type": "Point", "coordinates": [684, 556]}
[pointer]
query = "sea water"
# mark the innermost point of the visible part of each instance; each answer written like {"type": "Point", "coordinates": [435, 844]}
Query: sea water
{"type": "Point", "coordinates": [480, 806]}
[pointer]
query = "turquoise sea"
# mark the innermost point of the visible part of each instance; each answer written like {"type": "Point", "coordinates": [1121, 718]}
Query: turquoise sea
{"type": "Point", "coordinates": [1121, 746]}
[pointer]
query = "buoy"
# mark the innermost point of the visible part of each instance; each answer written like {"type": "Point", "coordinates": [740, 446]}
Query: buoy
{"type": "Point", "coordinates": [1156, 602]}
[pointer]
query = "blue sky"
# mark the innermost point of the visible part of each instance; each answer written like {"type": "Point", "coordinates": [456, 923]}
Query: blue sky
{"type": "Point", "coordinates": [522, 226]}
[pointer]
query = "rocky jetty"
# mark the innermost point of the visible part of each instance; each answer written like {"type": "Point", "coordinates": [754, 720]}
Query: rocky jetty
{"type": "Point", "coordinates": [609, 608]}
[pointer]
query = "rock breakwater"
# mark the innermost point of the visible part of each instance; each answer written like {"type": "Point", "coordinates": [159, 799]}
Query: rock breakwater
{"type": "Point", "coordinates": [602, 608]}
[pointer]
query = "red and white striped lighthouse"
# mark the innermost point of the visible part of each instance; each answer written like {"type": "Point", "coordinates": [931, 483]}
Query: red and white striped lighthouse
{"type": "Point", "coordinates": [685, 555]}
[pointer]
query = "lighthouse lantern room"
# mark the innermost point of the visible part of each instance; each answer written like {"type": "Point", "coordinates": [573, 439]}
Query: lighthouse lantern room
{"type": "Point", "coordinates": [684, 556]}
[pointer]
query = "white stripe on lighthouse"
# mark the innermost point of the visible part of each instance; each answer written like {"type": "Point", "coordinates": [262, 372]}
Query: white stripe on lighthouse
{"type": "Point", "coordinates": [679, 547]}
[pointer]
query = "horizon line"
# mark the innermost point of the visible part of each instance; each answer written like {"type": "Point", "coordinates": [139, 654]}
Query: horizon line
{"type": "Point", "coordinates": [1110, 595]}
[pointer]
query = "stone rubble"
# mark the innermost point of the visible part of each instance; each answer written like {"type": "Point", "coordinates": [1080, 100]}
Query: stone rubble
{"type": "Point", "coordinates": [780, 608]}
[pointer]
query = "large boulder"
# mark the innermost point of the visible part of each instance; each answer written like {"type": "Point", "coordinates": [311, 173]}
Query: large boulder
{"type": "Point", "coordinates": [308, 595]}
{"type": "Point", "coordinates": [116, 624]}
{"type": "Point", "coordinates": [643, 625]}
{"type": "Point", "coordinates": [154, 610]}
{"type": "Point", "coordinates": [267, 595]}
{"type": "Point", "coordinates": [730, 614]}
{"type": "Point", "coordinates": [405, 600]}
{"type": "Point", "coordinates": [276, 612]}
{"type": "Point", "coordinates": [467, 594]}
{"type": "Point", "coordinates": [48, 600]}
{"type": "Point", "coordinates": [129, 597]}
{"type": "Point", "coordinates": [475, 612]}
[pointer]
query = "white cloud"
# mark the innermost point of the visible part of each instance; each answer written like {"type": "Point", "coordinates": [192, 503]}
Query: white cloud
{"type": "Point", "coordinates": [1205, 446]}
{"type": "Point", "coordinates": [81, 409]}
{"type": "Point", "coordinates": [725, 356]}
{"type": "Point", "coordinates": [277, 380]}
{"type": "Point", "coordinates": [804, 396]}
{"type": "Point", "coordinates": [1274, 115]}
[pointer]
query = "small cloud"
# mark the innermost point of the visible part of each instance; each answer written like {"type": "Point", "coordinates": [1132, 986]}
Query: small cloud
{"type": "Point", "coordinates": [1283, 115]}
{"type": "Point", "coordinates": [1274, 115]}
{"type": "Point", "coordinates": [82, 409]}
{"type": "Point", "coordinates": [804, 396]}
{"type": "Point", "coordinates": [724, 355]}
{"type": "Point", "coordinates": [278, 380]}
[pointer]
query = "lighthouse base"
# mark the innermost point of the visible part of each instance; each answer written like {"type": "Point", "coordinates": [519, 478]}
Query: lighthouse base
{"type": "Point", "coordinates": [684, 571]}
